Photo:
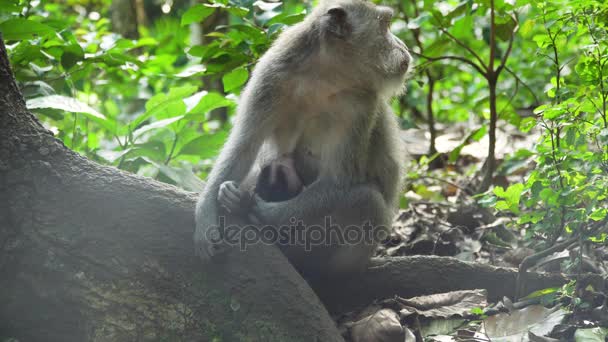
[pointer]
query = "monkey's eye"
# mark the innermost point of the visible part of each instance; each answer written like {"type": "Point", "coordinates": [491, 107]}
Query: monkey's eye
{"type": "Point", "coordinates": [385, 23]}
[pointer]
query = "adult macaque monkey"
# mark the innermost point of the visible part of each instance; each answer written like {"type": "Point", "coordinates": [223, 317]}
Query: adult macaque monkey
{"type": "Point", "coordinates": [320, 94]}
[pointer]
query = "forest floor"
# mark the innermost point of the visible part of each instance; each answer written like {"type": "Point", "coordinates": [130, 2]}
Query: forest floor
{"type": "Point", "coordinates": [440, 217]}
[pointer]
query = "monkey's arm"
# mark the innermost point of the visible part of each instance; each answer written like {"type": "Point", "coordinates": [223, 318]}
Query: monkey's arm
{"type": "Point", "coordinates": [254, 123]}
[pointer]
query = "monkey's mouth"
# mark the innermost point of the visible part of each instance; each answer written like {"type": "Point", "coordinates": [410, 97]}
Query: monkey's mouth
{"type": "Point", "coordinates": [405, 62]}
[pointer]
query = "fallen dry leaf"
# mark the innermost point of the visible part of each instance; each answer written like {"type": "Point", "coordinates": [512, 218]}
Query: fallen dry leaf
{"type": "Point", "coordinates": [514, 326]}
{"type": "Point", "coordinates": [444, 305]}
{"type": "Point", "coordinates": [382, 326]}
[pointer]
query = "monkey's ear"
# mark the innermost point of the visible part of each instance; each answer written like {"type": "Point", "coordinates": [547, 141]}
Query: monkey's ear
{"type": "Point", "coordinates": [337, 22]}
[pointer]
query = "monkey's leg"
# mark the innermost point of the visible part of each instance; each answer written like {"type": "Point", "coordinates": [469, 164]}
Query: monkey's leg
{"type": "Point", "coordinates": [363, 223]}
{"type": "Point", "coordinates": [354, 221]}
{"type": "Point", "coordinates": [321, 199]}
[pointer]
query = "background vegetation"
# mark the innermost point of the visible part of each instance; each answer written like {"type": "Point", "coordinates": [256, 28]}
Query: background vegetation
{"type": "Point", "coordinates": [150, 86]}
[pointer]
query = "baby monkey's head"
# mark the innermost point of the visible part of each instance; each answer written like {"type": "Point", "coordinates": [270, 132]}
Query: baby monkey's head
{"type": "Point", "coordinates": [356, 36]}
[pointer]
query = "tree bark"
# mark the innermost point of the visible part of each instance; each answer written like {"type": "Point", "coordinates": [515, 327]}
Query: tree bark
{"type": "Point", "coordinates": [91, 253]}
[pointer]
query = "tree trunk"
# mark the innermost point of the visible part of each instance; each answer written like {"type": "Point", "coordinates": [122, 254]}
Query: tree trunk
{"type": "Point", "coordinates": [127, 15]}
{"type": "Point", "coordinates": [91, 253]}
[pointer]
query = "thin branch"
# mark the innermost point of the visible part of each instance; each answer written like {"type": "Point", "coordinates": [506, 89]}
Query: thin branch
{"type": "Point", "coordinates": [503, 61]}
{"type": "Point", "coordinates": [594, 104]}
{"type": "Point", "coordinates": [170, 156]}
{"type": "Point", "coordinates": [457, 58]}
{"type": "Point", "coordinates": [510, 99]}
{"type": "Point", "coordinates": [567, 62]}
{"type": "Point", "coordinates": [546, 56]}
{"type": "Point", "coordinates": [466, 47]}
{"type": "Point", "coordinates": [517, 78]}
{"type": "Point", "coordinates": [444, 181]}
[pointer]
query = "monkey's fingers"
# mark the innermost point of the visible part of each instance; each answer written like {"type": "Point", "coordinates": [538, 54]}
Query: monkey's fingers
{"type": "Point", "coordinates": [232, 186]}
{"type": "Point", "coordinates": [229, 196]}
{"type": "Point", "coordinates": [230, 189]}
{"type": "Point", "coordinates": [229, 204]}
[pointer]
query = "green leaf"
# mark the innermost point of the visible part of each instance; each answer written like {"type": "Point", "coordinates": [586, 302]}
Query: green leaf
{"type": "Point", "coordinates": [527, 27]}
{"type": "Point", "coordinates": [476, 135]}
{"type": "Point", "coordinates": [72, 54]}
{"type": "Point", "coordinates": [286, 18]}
{"type": "Point", "coordinates": [598, 214]}
{"type": "Point", "coordinates": [20, 28]}
{"type": "Point", "coordinates": [235, 79]}
{"type": "Point", "coordinates": [156, 125]}
{"type": "Point", "coordinates": [418, 21]}
{"type": "Point", "coordinates": [527, 124]}
{"type": "Point", "coordinates": [459, 10]}
{"type": "Point", "coordinates": [171, 104]}
{"type": "Point", "coordinates": [511, 197]}
{"type": "Point", "coordinates": [10, 6]}
{"type": "Point", "coordinates": [477, 311]}
{"type": "Point", "coordinates": [462, 27]}
{"type": "Point", "coordinates": [542, 40]}
{"type": "Point", "coordinates": [152, 149]}
{"type": "Point", "coordinates": [72, 105]}
{"type": "Point", "coordinates": [206, 146]}
{"type": "Point", "coordinates": [65, 103]}
{"type": "Point", "coordinates": [543, 292]}
{"type": "Point", "coordinates": [208, 103]}
{"type": "Point", "coordinates": [196, 14]}
{"type": "Point", "coordinates": [192, 70]}
{"type": "Point", "coordinates": [599, 239]}
{"type": "Point", "coordinates": [266, 6]}
{"type": "Point", "coordinates": [505, 30]}
{"type": "Point", "coordinates": [254, 34]}
{"type": "Point", "coordinates": [183, 177]}
{"type": "Point", "coordinates": [237, 11]}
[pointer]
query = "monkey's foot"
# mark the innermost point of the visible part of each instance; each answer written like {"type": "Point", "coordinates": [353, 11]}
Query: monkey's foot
{"type": "Point", "coordinates": [209, 244]}
{"type": "Point", "coordinates": [263, 212]}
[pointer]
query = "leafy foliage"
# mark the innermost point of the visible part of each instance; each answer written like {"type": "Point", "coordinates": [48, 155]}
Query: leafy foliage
{"type": "Point", "coordinates": [143, 104]}
{"type": "Point", "coordinates": [566, 192]}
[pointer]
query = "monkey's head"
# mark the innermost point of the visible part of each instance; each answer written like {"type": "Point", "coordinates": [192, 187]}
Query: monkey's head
{"type": "Point", "coordinates": [356, 38]}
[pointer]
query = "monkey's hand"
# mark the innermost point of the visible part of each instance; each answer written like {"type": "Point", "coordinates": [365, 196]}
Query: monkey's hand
{"type": "Point", "coordinates": [230, 197]}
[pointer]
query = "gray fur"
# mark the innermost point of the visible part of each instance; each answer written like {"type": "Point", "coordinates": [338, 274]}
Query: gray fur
{"type": "Point", "coordinates": [325, 99]}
